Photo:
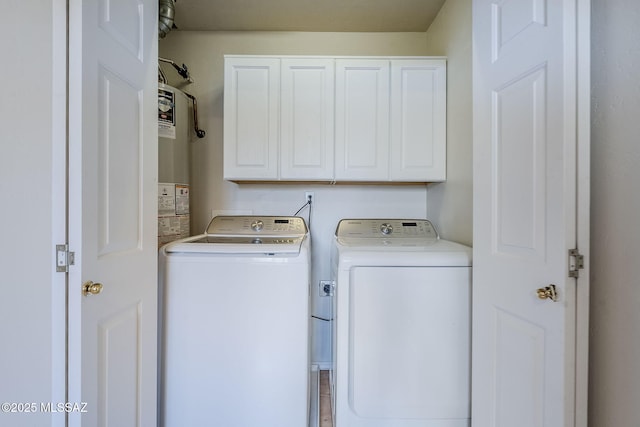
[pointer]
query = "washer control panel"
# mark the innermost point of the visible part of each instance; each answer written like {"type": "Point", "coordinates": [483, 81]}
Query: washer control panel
{"type": "Point", "coordinates": [249, 225]}
{"type": "Point", "coordinates": [386, 229]}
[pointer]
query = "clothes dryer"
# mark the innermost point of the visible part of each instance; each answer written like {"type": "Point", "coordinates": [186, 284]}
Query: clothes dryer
{"type": "Point", "coordinates": [401, 326]}
{"type": "Point", "coordinates": [235, 325]}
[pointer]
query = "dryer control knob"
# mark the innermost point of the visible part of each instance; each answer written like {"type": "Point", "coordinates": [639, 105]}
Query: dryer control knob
{"type": "Point", "coordinates": [257, 225]}
{"type": "Point", "coordinates": [386, 228]}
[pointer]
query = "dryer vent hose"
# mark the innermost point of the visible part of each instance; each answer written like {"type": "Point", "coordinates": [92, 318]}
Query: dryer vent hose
{"type": "Point", "coordinates": [167, 11]}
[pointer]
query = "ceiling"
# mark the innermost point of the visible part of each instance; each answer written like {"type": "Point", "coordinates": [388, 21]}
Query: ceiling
{"type": "Point", "coordinates": [306, 15]}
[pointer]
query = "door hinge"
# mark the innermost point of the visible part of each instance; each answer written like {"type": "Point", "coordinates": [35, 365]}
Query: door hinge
{"type": "Point", "coordinates": [576, 262]}
{"type": "Point", "coordinates": [64, 258]}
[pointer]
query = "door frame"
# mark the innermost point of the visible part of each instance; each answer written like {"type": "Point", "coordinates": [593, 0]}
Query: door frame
{"type": "Point", "coordinates": [59, 198]}
{"type": "Point", "coordinates": [583, 221]}
{"type": "Point", "coordinates": [74, 206]}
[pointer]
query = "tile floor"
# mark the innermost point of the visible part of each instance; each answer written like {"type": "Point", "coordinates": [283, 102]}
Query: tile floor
{"type": "Point", "coordinates": [325, 400]}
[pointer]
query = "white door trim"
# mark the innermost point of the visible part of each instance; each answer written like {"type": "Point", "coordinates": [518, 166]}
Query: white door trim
{"type": "Point", "coordinates": [583, 129]}
{"type": "Point", "coordinates": [74, 204]}
{"type": "Point", "coordinates": [59, 206]}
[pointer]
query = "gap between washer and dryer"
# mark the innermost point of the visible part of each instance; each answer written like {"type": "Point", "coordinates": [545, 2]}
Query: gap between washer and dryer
{"type": "Point", "coordinates": [325, 400]}
{"type": "Point", "coordinates": [320, 409]}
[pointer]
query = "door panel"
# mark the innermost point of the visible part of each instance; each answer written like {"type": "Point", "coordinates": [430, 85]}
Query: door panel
{"type": "Point", "coordinates": [511, 19]}
{"type": "Point", "coordinates": [119, 173]}
{"type": "Point", "coordinates": [113, 211]}
{"type": "Point", "coordinates": [519, 346]}
{"type": "Point", "coordinates": [519, 111]}
{"type": "Point", "coordinates": [123, 22]}
{"type": "Point", "coordinates": [118, 392]}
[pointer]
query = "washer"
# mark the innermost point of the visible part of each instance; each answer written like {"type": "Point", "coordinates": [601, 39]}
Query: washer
{"type": "Point", "coordinates": [401, 326]}
{"type": "Point", "coordinates": [235, 325]}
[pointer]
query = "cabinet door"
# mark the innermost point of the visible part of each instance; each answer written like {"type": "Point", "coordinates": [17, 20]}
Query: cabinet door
{"type": "Point", "coordinates": [418, 120]}
{"type": "Point", "coordinates": [306, 139]}
{"type": "Point", "coordinates": [362, 120]}
{"type": "Point", "coordinates": [251, 104]}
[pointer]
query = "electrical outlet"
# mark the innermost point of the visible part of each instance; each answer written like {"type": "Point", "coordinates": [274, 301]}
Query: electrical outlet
{"type": "Point", "coordinates": [308, 196]}
{"type": "Point", "coordinates": [325, 288]}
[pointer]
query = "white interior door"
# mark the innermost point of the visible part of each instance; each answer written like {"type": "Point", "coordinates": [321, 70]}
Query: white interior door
{"type": "Point", "coordinates": [529, 93]}
{"type": "Point", "coordinates": [112, 210]}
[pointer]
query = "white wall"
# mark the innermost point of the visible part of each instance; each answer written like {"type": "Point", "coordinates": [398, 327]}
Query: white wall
{"type": "Point", "coordinates": [203, 53]}
{"type": "Point", "coordinates": [451, 202]}
{"type": "Point", "coordinates": [31, 293]}
{"type": "Point", "coordinates": [615, 235]}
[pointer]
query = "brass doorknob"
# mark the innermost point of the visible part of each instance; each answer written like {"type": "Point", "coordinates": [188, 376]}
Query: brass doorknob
{"type": "Point", "coordinates": [90, 288]}
{"type": "Point", "coordinates": [548, 292]}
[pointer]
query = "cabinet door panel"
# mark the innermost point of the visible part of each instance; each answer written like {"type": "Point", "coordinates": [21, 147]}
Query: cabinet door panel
{"type": "Point", "coordinates": [307, 98]}
{"type": "Point", "coordinates": [251, 118]}
{"type": "Point", "coordinates": [362, 120]}
{"type": "Point", "coordinates": [418, 120]}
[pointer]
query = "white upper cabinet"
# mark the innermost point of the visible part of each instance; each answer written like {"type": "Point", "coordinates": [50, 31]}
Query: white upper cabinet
{"type": "Point", "coordinates": [362, 120]}
{"type": "Point", "coordinates": [335, 119]}
{"type": "Point", "coordinates": [418, 120]}
{"type": "Point", "coordinates": [306, 126]}
{"type": "Point", "coordinates": [251, 118]}
{"type": "Point", "coordinates": [391, 120]}
{"type": "Point", "coordinates": [278, 119]}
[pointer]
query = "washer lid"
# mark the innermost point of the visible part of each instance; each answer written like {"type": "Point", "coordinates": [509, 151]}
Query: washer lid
{"type": "Point", "coordinates": [207, 245]}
